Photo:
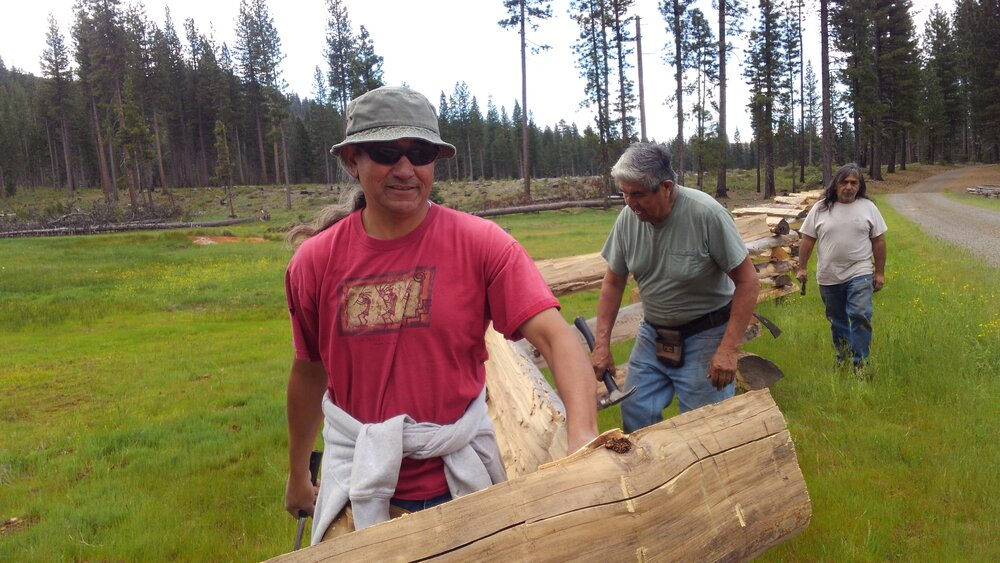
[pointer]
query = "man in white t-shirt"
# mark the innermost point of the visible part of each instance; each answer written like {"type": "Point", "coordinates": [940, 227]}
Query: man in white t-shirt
{"type": "Point", "coordinates": [850, 267]}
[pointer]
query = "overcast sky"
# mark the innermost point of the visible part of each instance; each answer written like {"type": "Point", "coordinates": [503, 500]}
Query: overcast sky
{"type": "Point", "coordinates": [431, 45]}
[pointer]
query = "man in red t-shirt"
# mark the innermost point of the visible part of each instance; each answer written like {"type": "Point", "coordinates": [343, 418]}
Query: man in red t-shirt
{"type": "Point", "coordinates": [390, 297]}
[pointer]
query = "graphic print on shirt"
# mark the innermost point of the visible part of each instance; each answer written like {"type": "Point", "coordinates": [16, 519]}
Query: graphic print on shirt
{"type": "Point", "coordinates": [387, 302]}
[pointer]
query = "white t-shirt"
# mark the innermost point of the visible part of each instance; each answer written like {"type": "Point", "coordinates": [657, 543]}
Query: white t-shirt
{"type": "Point", "coordinates": [843, 239]}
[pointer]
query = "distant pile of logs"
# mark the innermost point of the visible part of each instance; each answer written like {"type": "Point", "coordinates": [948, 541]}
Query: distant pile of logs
{"type": "Point", "coordinates": [771, 234]}
{"type": "Point", "coordinates": [985, 190]}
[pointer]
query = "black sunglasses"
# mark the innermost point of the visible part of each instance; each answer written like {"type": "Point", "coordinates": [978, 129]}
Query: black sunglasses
{"type": "Point", "coordinates": [388, 153]}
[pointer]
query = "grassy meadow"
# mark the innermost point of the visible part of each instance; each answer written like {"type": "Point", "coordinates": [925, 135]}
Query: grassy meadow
{"type": "Point", "coordinates": [142, 397]}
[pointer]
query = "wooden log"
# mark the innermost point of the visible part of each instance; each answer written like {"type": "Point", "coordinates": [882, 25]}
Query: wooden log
{"type": "Point", "coordinates": [767, 243]}
{"type": "Point", "coordinates": [777, 280]}
{"type": "Point", "coordinates": [528, 416]}
{"type": "Point", "coordinates": [753, 227]}
{"type": "Point", "coordinates": [717, 483]}
{"type": "Point", "coordinates": [772, 268]}
{"type": "Point", "coordinates": [776, 292]}
{"type": "Point", "coordinates": [778, 225]}
{"type": "Point", "coordinates": [592, 203]}
{"type": "Point", "coordinates": [573, 273]}
{"type": "Point", "coordinates": [773, 210]}
{"type": "Point", "coordinates": [797, 200]}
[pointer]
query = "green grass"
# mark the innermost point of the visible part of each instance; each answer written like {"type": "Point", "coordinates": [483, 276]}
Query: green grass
{"type": "Point", "coordinates": [991, 203]}
{"type": "Point", "coordinates": [142, 393]}
{"type": "Point", "coordinates": [901, 462]}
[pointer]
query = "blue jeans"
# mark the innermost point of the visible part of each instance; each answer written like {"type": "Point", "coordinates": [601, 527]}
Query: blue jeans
{"type": "Point", "coordinates": [849, 310]}
{"type": "Point", "coordinates": [418, 505]}
{"type": "Point", "coordinates": [656, 384]}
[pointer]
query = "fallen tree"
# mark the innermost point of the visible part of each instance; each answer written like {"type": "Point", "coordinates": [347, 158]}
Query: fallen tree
{"type": "Point", "coordinates": [122, 227]}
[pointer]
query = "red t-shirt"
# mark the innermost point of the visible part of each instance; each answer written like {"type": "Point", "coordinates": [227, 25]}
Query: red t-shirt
{"type": "Point", "coordinates": [399, 324]}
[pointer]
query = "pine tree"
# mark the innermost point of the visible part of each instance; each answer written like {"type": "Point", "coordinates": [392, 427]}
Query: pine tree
{"type": "Point", "coordinates": [765, 71]}
{"type": "Point", "coordinates": [522, 14]}
{"type": "Point", "coordinates": [593, 61]}
{"type": "Point", "coordinates": [58, 95]}
{"type": "Point", "coordinates": [731, 14]}
{"type": "Point", "coordinates": [673, 12]}
{"type": "Point", "coordinates": [258, 50]}
{"type": "Point", "coordinates": [941, 96]}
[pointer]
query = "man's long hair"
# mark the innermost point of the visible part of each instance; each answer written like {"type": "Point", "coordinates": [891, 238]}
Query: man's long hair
{"type": "Point", "coordinates": [350, 201]}
{"type": "Point", "coordinates": [849, 169]}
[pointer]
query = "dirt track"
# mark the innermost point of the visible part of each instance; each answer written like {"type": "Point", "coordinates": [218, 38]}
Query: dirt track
{"type": "Point", "coordinates": [973, 228]}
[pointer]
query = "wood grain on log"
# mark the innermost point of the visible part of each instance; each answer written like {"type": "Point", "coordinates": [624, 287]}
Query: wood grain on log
{"type": "Point", "coordinates": [778, 225]}
{"type": "Point", "coordinates": [753, 227]}
{"type": "Point", "coordinates": [528, 416]}
{"type": "Point", "coordinates": [717, 483]}
{"type": "Point", "coordinates": [767, 243]}
{"type": "Point", "coordinates": [573, 273]}
{"type": "Point", "coordinates": [773, 210]}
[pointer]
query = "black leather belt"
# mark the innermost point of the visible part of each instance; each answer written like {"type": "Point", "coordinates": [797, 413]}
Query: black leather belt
{"type": "Point", "coordinates": [716, 318]}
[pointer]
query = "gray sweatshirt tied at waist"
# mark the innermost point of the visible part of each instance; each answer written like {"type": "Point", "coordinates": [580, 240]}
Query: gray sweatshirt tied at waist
{"type": "Point", "coordinates": [361, 461]}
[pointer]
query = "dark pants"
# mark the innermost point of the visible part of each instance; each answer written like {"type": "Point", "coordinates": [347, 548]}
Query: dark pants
{"type": "Point", "coordinates": [417, 505]}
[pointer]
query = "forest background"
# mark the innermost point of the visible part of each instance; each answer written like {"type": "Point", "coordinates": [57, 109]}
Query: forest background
{"type": "Point", "coordinates": [141, 108]}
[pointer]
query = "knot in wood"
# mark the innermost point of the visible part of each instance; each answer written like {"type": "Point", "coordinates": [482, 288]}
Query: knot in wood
{"type": "Point", "coordinates": [618, 445]}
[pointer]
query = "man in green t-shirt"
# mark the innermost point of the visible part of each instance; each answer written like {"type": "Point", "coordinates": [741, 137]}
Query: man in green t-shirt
{"type": "Point", "coordinates": [697, 284]}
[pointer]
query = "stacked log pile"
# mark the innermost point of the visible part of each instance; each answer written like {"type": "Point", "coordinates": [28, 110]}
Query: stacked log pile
{"type": "Point", "coordinates": [771, 234]}
{"type": "Point", "coordinates": [986, 190]}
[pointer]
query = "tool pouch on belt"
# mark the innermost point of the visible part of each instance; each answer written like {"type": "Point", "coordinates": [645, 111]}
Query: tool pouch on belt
{"type": "Point", "coordinates": [670, 347]}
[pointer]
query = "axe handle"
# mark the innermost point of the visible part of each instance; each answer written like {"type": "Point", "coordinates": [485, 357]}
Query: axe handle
{"type": "Point", "coordinates": [581, 324]}
{"type": "Point", "coordinates": [315, 458]}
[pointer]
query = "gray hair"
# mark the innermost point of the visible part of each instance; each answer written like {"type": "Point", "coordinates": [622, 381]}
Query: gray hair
{"type": "Point", "coordinates": [647, 164]}
{"type": "Point", "coordinates": [350, 201]}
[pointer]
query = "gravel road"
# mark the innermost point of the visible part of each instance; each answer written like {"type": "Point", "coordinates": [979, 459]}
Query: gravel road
{"type": "Point", "coordinates": [973, 228]}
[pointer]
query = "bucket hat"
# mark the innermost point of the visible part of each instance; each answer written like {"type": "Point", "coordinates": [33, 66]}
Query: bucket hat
{"type": "Point", "coordinates": [389, 114]}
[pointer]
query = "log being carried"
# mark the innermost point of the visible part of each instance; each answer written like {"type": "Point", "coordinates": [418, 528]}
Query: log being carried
{"type": "Point", "coordinates": [540, 500]}
{"type": "Point", "coordinates": [717, 483]}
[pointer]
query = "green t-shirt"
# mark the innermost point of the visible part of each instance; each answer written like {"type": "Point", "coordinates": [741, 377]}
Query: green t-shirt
{"type": "Point", "coordinates": [680, 264]}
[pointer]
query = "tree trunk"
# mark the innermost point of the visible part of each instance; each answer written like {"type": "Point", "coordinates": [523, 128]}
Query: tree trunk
{"type": "Point", "coordinates": [239, 155]}
{"type": "Point", "coordinates": [525, 163]}
{"type": "Point", "coordinates": [679, 93]}
{"type": "Point", "coordinates": [288, 183]}
{"type": "Point", "coordinates": [70, 177]}
{"type": "Point", "coordinates": [107, 185]}
{"type": "Point", "coordinates": [164, 183]}
{"type": "Point", "coordinates": [827, 133]}
{"type": "Point", "coordinates": [720, 182]}
{"type": "Point", "coordinates": [262, 177]}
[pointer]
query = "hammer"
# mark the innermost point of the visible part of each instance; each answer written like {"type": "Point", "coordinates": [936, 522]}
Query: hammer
{"type": "Point", "coordinates": [314, 460]}
{"type": "Point", "coordinates": [615, 395]}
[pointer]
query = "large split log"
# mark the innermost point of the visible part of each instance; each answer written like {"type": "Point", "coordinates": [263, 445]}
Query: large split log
{"type": "Point", "coordinates": [718, 483]}
{"type": "Point", "coordinates": [573, 273]}
{"type": "Point", "coordinates": [767, 243]}
{"type": "Point", "coordinates": [753, 227]}
{"type": "Point", "coordinates": [773, 210]}
{"type": "Point", "coordinates": [528, 416]}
